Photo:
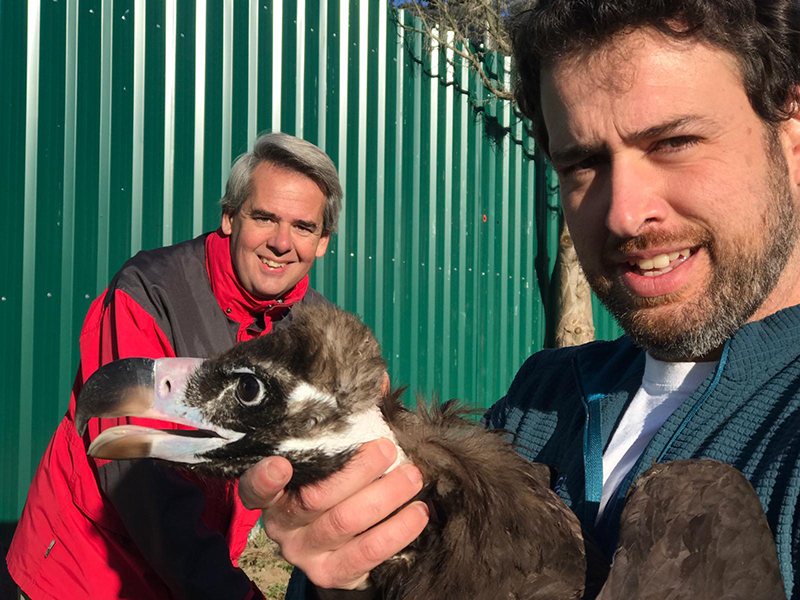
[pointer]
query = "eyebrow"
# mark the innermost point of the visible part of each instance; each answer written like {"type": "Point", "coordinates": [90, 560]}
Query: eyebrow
{"type": "Point", "coordinates": [662, 129]}
{"type": "Point", "coordinates": [265, 214]}
{"type": "Point", "coordinates": [576, 153]}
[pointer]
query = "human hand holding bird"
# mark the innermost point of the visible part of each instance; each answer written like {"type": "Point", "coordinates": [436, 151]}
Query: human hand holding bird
{"type": "Point", "coordinates": [327, 528]}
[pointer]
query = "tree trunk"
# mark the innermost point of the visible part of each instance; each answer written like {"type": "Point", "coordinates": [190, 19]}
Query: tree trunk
{"type": "Point", "coordinates": [575, 325]}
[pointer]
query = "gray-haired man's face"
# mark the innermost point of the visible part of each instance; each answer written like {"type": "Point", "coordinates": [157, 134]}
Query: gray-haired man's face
{"type": "Point", "coordinates": [277, 233]}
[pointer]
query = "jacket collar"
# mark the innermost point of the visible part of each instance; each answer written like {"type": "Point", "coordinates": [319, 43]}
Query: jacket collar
{"type": "Point", "coordinates": [756, 349]}
{"type": "Point", "coordinates": [760, 349]}
{"type": "Point", "coordinates": [235, 301]}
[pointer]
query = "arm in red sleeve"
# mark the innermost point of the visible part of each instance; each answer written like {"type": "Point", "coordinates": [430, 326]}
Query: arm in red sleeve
{"type": "Point", "coordinates": [160, 507]}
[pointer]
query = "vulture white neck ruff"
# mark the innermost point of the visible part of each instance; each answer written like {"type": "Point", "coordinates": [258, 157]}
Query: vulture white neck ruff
{"type": "Point", "coordinates": [362, 427]}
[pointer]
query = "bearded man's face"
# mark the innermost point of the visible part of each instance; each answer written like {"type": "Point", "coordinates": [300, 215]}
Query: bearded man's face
{"type": "Point", "coordinates": [677, 195]}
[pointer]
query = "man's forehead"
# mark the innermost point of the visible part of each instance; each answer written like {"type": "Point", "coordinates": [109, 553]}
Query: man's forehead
{"type": "Point", "coordinates": [645, 75]}
{"type": "Point", "coordinates": [286, 195]}
{"type": "Point", "coordinates": [614, 64]}
{"type": "Point", "coordinates": [606, 66]}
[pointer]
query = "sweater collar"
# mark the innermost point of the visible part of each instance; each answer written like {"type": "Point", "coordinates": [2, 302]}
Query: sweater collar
{"type": "Point", "coordinates": [235, 301]}
{"type": "Point", "coordinates": [756, 349]}
{"type": "Point", "coordinates": [762, 348]}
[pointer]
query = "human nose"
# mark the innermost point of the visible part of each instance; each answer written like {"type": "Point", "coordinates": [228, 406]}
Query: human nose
{"type": "Point", "coordinates": [280, 241]}
{"type": "Point", "coordinates": [635, 203]}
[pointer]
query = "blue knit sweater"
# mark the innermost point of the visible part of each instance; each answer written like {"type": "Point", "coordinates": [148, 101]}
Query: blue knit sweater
{"type": "Point", "coordinates": [564, 405]}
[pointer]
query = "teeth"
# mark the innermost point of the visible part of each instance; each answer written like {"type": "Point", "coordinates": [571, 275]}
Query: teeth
{"type": "Point", "coordinates": [645, 264]}
{"type": "Point", "coordinates": [271, 263]}
{"type": "Point", "coordinates": [661, 262]}
{"type": "Point", "coordinates": [655, 273]}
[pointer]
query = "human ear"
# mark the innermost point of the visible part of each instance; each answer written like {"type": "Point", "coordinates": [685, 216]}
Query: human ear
{"type": "Point", "coordinates": [323, 245]}
{"type": "Point", "coordinates": [227, 223]}
{"type": "Point", "coordinates": [790, 137]}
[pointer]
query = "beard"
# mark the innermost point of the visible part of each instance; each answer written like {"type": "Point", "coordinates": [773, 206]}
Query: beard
{"type": "Point", "coordinates": [742, 277]}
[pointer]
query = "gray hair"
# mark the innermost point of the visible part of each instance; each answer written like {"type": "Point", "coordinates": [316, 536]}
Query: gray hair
{"type": "Point", "coordinates": [291, 153]}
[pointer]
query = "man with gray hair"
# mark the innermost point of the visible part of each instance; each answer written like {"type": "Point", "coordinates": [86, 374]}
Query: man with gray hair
{"type": "Point", "coordinates": [281, 204]}
{"type": "Point", "coordinates": [98, 529]}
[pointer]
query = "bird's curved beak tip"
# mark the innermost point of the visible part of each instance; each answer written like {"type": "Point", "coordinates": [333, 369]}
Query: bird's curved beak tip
{"type": "Point", "coordinates": [120, 388]}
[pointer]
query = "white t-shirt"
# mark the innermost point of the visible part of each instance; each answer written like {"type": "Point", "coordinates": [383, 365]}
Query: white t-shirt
{"type": "Point", "coordinates": [665, 385]}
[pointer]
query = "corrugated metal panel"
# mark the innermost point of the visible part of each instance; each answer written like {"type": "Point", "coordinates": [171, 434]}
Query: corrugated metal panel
{"type": "Point", "coordinates": [120, 120]}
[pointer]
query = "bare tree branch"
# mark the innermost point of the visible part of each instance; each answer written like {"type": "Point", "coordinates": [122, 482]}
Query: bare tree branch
{"type": "Point", "coordinates": [476, 25]}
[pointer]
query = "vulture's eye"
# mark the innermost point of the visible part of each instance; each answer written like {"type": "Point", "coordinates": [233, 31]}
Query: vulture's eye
{"type": "Point", "coordinates": [249, 390]}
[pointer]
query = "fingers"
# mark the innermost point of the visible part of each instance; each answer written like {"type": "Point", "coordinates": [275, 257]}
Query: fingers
{"type": "Point", "coordinates": [262, 485]}
{"type": "Point", "coordinates": [364, 509]}
{"type": "Point", "coordinates": [369, 463]}
{"type": "Point", "coordinates": [350, 566]}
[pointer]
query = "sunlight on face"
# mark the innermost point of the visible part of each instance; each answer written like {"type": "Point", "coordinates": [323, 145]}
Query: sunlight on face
{"type": "Point", "coordinates": [677, 195]}
{"type": "Point", "coordinates": [277, 233]}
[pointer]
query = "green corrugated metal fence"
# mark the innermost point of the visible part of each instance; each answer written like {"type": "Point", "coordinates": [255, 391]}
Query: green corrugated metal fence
{"type": "Point", "coordinates": [119, 121]}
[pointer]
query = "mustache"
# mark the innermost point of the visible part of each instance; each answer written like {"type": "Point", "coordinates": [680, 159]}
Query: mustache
{"type": "Point", "coordinates": [686, 238]}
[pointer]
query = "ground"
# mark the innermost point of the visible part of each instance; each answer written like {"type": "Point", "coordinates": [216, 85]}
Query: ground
{"type": "Point", "coordinates": [261, 562]}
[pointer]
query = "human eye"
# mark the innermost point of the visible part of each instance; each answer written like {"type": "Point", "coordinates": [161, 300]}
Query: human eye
{"type": "Point", "coordinates": [675, 143]}
{"type": "Point", "coordinates": [579, 168]}
{"type": "Point", "coordinates": [305, 228]}
{"type": "Point", "coordinates": [263, 219]}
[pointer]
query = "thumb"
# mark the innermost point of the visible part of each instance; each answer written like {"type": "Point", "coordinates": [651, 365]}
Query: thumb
{"type": "Point", "coordinates": [262, 484]}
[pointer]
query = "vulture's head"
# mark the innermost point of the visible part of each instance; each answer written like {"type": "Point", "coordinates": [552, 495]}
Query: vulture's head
{"type": "Point", "coordinates": [309, 392]}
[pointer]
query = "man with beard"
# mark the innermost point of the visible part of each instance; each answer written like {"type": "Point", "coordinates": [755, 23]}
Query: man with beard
{"type": "Point", "coordinates": [674, 127]}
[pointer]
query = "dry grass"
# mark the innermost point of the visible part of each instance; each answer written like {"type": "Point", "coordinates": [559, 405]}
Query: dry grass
{"type": "Point", "coordinates": [261, 562]}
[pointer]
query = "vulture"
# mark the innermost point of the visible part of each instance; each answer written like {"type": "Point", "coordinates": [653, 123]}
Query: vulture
{"type": "Point", "coordinates": [313, 392]}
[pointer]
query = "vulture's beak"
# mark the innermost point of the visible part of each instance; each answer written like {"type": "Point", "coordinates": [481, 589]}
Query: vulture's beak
{"type": "Point", "coordinates": [149, 389]}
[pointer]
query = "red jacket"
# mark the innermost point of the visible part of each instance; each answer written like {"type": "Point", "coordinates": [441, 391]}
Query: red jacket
{"type": "Point", "coordinates": [100, 529]}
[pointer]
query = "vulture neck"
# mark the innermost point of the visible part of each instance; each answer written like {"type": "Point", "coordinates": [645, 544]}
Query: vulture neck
{"type": "Point", "coordinates": [361, 427]}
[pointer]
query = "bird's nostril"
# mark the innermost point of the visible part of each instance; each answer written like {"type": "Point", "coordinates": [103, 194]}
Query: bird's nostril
{"type": "Point", "coordinates": [165, 387]}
